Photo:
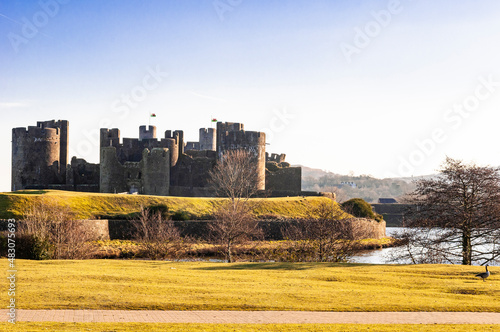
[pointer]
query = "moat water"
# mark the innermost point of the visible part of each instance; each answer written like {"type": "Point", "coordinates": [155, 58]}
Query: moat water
{"type": "Point", "coordinates": [380, 256]}
{"type": "Point", "coordinates": [386, 255]}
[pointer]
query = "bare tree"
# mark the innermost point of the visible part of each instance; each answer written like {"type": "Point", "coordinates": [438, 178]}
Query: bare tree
{"type": "Point", "coordinates": [455, 216]}
{"type": "Point", "coordinates": [234, 223]}
{"type": "Point", "coordinates": [158, 237]}
{"type": "Point", "coordinates": [52, 231]}
{"type": "Point", "coordinates": [330, 237]}
{"type": "Point", "coordinates": [236, 177]}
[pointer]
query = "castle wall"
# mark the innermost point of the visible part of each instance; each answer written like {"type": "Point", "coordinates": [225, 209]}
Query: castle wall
{"type": "Point", "coordinates": [192, 146]}
{"type": "Point", "coordinates": [149, 176]}
{"type": "Point", "coordinates": [394, 214]}
{"type": "Point", "coordinates": [192, 169]}
{"type": "Point", "coordinates": [82, 176]}
{"type": "Point", "coordinates": [131, 148]}
{"type": "Point", "coordinates": [285, 179]}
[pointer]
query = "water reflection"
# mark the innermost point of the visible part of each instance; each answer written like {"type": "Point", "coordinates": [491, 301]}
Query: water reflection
{"type": "Point", "coordinates": [380, 256]}
{"type": "Point", "coordinates": [383, 256]}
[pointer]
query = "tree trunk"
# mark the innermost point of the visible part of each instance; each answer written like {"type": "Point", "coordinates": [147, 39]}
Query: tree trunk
{"type": "Point", "coordinates": [228, 252]}
{"type": "Point", "coordinates": [466, 247]}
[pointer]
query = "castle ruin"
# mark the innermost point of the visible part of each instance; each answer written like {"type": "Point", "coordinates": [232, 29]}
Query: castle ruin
{"type": "Point", "coordinates": [144, 165]}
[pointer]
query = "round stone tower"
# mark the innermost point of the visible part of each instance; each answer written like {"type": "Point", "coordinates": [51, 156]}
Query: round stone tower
{"type": "Point", "coordinates": [173, 142]}
{"type": "Point", "coordinates": [35, 157]}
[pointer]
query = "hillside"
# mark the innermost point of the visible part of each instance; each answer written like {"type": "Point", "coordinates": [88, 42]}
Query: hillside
{"type": "Point", "coordinates": [346, 187]}
{"type": "Point", "coordinates": [96, 205]}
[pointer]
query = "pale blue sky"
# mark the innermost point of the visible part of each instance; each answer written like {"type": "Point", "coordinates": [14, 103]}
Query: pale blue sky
{"type": "Point", "coordinates": [385, 110]}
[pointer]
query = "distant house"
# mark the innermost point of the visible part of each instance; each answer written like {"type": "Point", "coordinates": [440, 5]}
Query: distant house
{"type": "Point", "coordinates": [351, 184]}
{"type": "Point", "coordinates": [387, 201]}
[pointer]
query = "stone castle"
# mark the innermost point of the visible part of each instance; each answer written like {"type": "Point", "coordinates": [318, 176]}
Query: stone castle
{"type": "Point", "coordinates": [145, 165]}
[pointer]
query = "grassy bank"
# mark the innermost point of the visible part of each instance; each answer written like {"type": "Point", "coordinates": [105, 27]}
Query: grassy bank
{"type": "Point", "coordinates": [249, 251]}
{"type": "Point", "coordinates": [155, 285]}
{"type": "Point", "coordinates": [92, 205]}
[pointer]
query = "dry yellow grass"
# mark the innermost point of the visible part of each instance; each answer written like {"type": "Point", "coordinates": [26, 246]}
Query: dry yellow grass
{"type": "Point", "coordinates": [119, 284]}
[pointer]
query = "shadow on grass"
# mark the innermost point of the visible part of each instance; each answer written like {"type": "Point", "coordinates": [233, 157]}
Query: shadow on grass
{"type": "Point", "coordinates": [276, 266]}
{"type": "Point", "coordinates": [29, 192]}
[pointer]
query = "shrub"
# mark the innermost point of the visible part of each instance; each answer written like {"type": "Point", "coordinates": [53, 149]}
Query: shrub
{"type": "Point", "coordinates": [284, 164]}
{"type": "Point", "coordinates": [159, 208]}
{"type": "Point", "coordinates": [158, 238]}
{"type": "Point", "coordinates": [272, 166]}
{"type": "Point", "coordinates": [29, 246]}
{"type": "Point", "coordinates": [360, 209]}
{"type": "Point", "coordinates": [181, 216]}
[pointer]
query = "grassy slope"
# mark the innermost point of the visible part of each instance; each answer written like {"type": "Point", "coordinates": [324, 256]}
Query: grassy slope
{"type": "Point", "coordinates": [119, 327]}
{"type": "Point", "coordinates": [117, 284]}
{"type": "Point", "coordinates": [88, 205]}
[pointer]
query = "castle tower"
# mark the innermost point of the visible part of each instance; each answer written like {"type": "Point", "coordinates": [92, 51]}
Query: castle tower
{"type": "Point", "coordinates": [175, 143]}
{"type": "Point", "coordinates": [232, 136]}
{"type": "Point", "coordinates": [39, 155]}
{"type": "Point", "coordinates": [110, 137]}
{"type": "Point", "coordinates": [147, 133]}
{"type": "Point", "coordinates": [63, 125]}
{"type": "Point", "coordinates": [138, 164]}
{"type": "Point", "coordinates": [112, 174]}
{"type": "Point", "coordinates": [156, 169]}
{"type": "Point", "coordinates": [208, 139]}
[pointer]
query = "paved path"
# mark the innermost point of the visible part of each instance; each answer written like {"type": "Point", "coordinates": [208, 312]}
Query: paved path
{"type": "Point", "coordinates": [253, 317]}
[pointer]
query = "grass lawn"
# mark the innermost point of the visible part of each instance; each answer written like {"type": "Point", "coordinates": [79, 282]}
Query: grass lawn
{"type": "Point", "coordinates": [119, 327]}
{"type": "Point", "coordinates": [156, 285]}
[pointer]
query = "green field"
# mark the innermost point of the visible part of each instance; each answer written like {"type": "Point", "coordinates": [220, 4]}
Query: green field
{"type": "Point", "coordinates": [160, 285]}
{"type": "Point", "coordinates": [142, 327]}
{"type": "Point", "coordinates": [93, 205]}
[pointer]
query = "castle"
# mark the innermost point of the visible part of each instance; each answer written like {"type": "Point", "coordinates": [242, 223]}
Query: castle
{"type": "Point", "coordinates": [145, 165]}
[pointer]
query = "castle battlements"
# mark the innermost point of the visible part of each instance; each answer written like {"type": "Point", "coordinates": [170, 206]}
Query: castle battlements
{"type": "Point", "coordinates": [275, 157]}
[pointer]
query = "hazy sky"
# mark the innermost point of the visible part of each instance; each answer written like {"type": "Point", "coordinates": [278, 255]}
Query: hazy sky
{"type": "Point", "coordinates": [386, 88]}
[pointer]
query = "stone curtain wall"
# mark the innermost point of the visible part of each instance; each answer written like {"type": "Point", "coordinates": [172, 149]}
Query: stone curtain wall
{"type": "Point", "coordinates": [285, 179]}
{"type": "Point", "coordinates": [392, 213]}
{"type": "Point", "coordinates": [98, 229]}
{"type": "Point", "coordinates": [273, 230]}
